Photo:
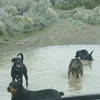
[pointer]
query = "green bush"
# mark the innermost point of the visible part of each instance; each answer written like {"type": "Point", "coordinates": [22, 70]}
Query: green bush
{"type": "Point", "coordinates": [3, 14]}
{"type": "Point", "coordinates": [2, 28]}
{"type": "Point", "coordinates": [86, 15]}
{"type": "Point", "coordinates": [43, 21]}
{"type": "Point", "coordinates": [22, 24]}
{"type": "Point", "coordinates": [11, 10]}
{"type": "Point", "coordinates": [71, 4]}
{"type": "Point", "coordinates": [25, 16]}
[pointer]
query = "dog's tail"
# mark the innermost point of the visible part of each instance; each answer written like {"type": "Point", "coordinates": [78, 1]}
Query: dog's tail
{"type": "Point", "coordinates": [91, 52]}
{"type": "Point", "coordinates": [61, 93]}
{"type": "Point", "coordinates": [22, 57]}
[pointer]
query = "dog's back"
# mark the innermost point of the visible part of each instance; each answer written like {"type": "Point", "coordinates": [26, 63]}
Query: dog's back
{"type": "Point", "coordinates": [20, 93]}
{"type": "Point", "coordinates": [84, 54]}
{"type": "Point", "coordinates": [48, 94]}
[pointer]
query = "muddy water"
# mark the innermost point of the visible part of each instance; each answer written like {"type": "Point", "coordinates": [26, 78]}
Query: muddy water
{"type": "Point", "coordinates": [48, 67]}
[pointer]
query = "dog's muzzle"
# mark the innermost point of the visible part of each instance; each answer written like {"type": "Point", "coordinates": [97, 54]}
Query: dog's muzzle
{"type": "Point", "coordinates": [8, 89]}
{"type": "Point", "coordinates": [12, 90]}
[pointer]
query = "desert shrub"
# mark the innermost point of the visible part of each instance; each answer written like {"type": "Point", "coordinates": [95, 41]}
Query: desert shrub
{"type": "Point", "coordinates": [97, 10]}
{"type": "Point", "coordinates": [3, 14]}
{"type": "Point", "coordinates": [25, 16]}
{"type": "Point", "coordinates": [11, 10]}
{"type": "Point", "coordinates": [82, 13]}
{"type": "Point", "coordinates": [2, 28]}
{"type": "Point", "coordinates": [71, 4]}
{"type": "Point", "coordinates": [43, 21]}
{"type": "Point", "coordinates": [40, 15]}
{"type": "Point", "coordinates": [21, 5]}
{"type": "Point", "coordinates": [20, 24]}
{"type": "Point", "coordinates": [53, 2]}
{"type": "Point", "coordinates": [86, 15]}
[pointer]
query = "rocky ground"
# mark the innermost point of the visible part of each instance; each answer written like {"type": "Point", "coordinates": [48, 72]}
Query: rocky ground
{"type": "Point", "coordinates": [63, 32]}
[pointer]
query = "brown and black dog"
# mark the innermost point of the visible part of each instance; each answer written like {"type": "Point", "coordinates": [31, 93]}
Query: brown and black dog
{"type": "Point", "coordinates": [19, 69]}
{"type": "Point", "coordinates": [20, 93]}
{"type": "Point", "coordinates": [75, 68]}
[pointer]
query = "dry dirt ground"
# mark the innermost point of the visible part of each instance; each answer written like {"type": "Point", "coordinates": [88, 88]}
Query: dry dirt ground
{"type": "Point", "coordinates": [63, 32]}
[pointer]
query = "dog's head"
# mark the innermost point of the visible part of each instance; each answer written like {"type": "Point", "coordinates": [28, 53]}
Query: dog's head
{"type": "Point", "coordinates": [17, 62]}
{"type": "Point", "coordinates": [76, 66]}
{"type": "Point", "coordinates": [15, 87]}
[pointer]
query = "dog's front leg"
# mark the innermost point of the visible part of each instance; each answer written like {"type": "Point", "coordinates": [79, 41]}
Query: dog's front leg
{"type": "Point", "coordinates": [26, 77]}
{"type": "Point", "coordinates": [81, 73]}
{"type": "Point", "coordinates": [13, 78]}
{"type": "Point", "coordinates": [69, 71]}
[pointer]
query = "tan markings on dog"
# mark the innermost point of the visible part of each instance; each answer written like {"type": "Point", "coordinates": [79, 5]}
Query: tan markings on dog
{"type": "Point", "coordinates": [13, 90]}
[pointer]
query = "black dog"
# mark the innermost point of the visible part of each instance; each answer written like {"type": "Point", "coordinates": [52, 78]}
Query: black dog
{"type": "Point", "coordinates": [20, 93]}
{"type": "Point", "coordinates": [19, 69]}
{"type": "Point", "coordinates": [84, 55]}
{"type": "Point", "coordinates": [75, 68]}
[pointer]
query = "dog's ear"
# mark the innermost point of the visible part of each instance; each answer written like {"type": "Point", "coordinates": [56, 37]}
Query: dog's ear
{"type": "Point", "coordinates": [13, 60]}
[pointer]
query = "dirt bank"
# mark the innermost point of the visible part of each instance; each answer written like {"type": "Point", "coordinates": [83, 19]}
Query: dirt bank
{"type": "Point", "coordinates": [63, 32]}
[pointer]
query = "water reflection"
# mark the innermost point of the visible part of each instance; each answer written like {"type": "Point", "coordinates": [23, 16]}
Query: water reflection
{"type": "Point", "coordinates": [87, 63]}
{"type": "Point", "coordinates": [75, 85]}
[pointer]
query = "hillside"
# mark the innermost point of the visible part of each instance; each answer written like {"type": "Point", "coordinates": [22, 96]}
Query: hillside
{"type": "Point", "coordinates": [63, 32]}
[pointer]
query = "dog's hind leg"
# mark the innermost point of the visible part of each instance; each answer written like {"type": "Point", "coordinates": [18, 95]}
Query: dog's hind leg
{"type": "Point", "coordinates": [77, 75]}
{"type": "Point", "coordinates": [81, 73]}
{"type": "Point", "coordinates": [70, 68]}
{"type": "Point", "coordinates": [21, 80]}
{"type": "Point", "coordinates": [13, 78]}
{"type": "Point", "coordinates": [25, 75]}
{"type": "Point", "coordinates": [69, 72]}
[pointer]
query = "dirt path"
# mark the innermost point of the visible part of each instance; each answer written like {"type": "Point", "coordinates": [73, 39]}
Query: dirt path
{"type": "Point", "coordinates": [64, 32]}
{"type": "Point", "coordinates": [68, 31]}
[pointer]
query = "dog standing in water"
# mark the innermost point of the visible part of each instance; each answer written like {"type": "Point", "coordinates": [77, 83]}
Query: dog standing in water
{"type": "Point", "coordinates": [19, 69]}
{"type": "Point", "coordinates": [20, 93]}
{"type": "Point", "coordinates": [75, 68]}
{"type": "Point", "coordinates": [85, 57]}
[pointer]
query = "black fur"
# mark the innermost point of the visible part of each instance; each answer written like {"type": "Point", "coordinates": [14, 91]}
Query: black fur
{"type": "Point", "coordinates": [75, 68]}
{"type": "Point", "coordinates": [21, 93]}
{"type": "Point", "coordinates": [18, 72]}
{"type": "Point", "coordinates": [84, 55]}
{"type": "Point", "coordinates": [83, 97]}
